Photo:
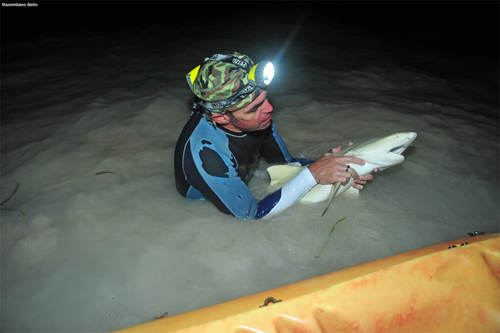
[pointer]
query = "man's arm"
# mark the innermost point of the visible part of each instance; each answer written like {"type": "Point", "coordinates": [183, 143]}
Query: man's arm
{"type": "Point", "coordinates": [216, 177]}
{"type": "Point", "coordinates": [326, 170]}
{"type": "Point", "coordinates": [286, 196]}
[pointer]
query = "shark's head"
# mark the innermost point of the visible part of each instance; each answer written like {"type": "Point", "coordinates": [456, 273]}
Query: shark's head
{"type": "Point", "coordinates": [393, 147]}
{"type": "Point", "coordinates": [384, 152]}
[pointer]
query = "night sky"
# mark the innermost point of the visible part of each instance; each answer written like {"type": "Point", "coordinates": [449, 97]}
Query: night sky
{"type": "Point", "coordinates": [443, 28]}
{"type": "Point", "coordinates": [469, 26]}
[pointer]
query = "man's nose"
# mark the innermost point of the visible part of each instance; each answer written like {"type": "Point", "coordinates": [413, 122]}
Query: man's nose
{"type": "Point", "coordinates": [267, 107]}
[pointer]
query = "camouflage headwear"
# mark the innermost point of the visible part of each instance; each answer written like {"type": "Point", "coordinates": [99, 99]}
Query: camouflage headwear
{"type": "Point", "coordinates": [218, 81]}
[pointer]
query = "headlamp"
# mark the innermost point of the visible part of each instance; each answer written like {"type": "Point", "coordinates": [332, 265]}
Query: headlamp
{"type": "Point", "coordinates": [262, 74]}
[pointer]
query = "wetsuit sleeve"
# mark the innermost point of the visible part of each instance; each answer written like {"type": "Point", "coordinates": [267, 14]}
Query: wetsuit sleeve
{"type": "Point", "coordinates": [286, 196]}
{"type": "Point", "coordinates": [215, 176]}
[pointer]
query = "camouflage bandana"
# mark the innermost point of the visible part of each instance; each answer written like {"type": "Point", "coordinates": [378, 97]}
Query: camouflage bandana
{"type": "Point", "coordinates": [223, 85]}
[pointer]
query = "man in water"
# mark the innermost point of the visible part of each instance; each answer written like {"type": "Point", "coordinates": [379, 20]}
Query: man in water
{"type": "Point", "coordinates": [229, 130]}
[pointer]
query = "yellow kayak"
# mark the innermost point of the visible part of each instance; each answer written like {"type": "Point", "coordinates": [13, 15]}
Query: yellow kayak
{"type": "Point", "coordinates": [449, 287]}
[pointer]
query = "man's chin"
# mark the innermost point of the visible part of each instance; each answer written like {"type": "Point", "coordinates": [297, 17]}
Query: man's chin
{"type": "Point", "coordinates": [265, 125]}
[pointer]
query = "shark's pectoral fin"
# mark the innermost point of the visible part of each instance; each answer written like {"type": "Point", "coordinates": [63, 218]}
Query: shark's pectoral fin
{"type": "Point", "coordinates": [334, 190]}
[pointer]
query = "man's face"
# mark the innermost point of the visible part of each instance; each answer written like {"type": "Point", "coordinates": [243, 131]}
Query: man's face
{"type": "Point", "coordinates": [253, 117]}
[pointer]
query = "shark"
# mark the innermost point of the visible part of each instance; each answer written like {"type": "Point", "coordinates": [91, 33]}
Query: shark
{"type": "Point", "coordinates": [379, 154]}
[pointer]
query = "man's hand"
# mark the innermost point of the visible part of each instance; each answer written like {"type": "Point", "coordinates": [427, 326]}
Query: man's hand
{"type": "Point", "coordinates": [329, 169]}
{"type": "Point", "coordinates": [358, 183]}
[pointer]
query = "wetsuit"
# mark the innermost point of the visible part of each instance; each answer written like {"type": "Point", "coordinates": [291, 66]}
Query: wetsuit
{"type": "Point", "coordinates": [216, 164]}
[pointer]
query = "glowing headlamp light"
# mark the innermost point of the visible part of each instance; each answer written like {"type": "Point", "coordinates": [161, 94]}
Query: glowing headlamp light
{"type": "Point", "coordinates": [262, 74]}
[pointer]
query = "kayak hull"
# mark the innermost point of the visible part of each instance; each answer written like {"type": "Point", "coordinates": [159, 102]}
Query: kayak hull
{"type": "Point", "coordinates": [433, 289]}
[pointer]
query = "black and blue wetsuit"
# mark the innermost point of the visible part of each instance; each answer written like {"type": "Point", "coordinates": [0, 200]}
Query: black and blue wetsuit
{"type": "Point", "coordinates": [216, 164]}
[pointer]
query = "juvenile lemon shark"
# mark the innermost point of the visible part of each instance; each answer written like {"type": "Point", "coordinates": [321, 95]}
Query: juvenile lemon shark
{"type": "Point", "coordinates": [378, 153]}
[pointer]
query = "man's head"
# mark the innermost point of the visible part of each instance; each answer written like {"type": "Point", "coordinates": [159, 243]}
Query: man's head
{"type": "Point", "coordinates": [227, 83]}
{"type": "Point", "coordinates": [253, 117]}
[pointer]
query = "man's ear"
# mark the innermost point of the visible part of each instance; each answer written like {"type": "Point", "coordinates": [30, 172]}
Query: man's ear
{"type": "Point", "coordinates": [222, 119]}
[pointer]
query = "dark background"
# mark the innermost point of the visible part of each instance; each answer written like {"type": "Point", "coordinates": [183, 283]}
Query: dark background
{"type": "Point", "coordinates": [467, 26]}
{"type": "Point", "coordinates": [464, 35]}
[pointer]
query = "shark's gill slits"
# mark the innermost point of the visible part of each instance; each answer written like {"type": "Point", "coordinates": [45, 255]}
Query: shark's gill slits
{"type": "Point", "coordinates": [398, 150]}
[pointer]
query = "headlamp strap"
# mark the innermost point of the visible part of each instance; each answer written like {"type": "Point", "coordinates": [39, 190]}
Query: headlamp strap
{"type": "Point", "coordinates": [197, 105]}
{"type": "Point", "coordinates": [220, 107]}
{"type": "Point", "coordinates": [230, 60]}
